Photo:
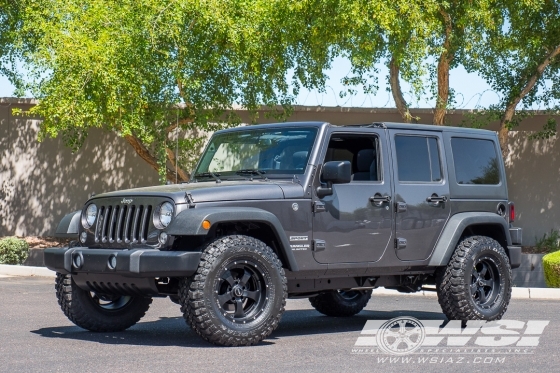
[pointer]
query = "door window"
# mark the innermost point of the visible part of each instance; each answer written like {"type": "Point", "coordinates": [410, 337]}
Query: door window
{"type": "Point", "coordinates": [418, 159]}
{"type": "Point", "coordinates": [361, 151]}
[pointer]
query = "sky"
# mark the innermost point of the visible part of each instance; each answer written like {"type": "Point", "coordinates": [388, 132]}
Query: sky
{"type": "Point", "coordinates": [472, 91]}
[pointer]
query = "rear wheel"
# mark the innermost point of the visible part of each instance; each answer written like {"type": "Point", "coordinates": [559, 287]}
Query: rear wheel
{"type": "Point", "coordinates": [341, 303]}
{"type": "Point", "coordinates": [98, 312]}
{"type": "Point", "coordinates": [476, 284]}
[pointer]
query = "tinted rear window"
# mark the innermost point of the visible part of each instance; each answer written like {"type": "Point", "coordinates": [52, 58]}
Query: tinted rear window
{"type": "Point", "coordinates": [476, 161]}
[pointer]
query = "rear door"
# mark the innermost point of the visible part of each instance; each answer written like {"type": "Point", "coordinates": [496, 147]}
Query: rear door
{"type": "Point", "coordinates": [421, 192]}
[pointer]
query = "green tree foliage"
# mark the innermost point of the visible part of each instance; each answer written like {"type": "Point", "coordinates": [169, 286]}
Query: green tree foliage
{"type": "Point", "coordinates": [394, 31]}
{"type": "Point", "coordinates": [10, 22]}
{"type": "Point", "coordinates": [520, 60]}
{"type": "Point", "coordinates": [420, 41]}
{"type": "Point", "coordinates": [142, 68]}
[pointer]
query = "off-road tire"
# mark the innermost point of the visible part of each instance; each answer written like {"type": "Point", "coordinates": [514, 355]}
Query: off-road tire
{"type": "Point", "coordinates": [468, 291]}
{"type": "Point", "coordinates": [83, 310]}
{"type": "Point", "coordinates": [238, 293]}
{"type": "Point", "coordinates": [337, 303]}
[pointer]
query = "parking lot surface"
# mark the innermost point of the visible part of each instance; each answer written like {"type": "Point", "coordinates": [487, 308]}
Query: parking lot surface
{"type": "Point", "coordinates": [35, 336]}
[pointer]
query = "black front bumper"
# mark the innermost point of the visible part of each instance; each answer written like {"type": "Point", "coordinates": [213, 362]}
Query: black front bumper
{"type": "Point", "coordinates": [129, 263]}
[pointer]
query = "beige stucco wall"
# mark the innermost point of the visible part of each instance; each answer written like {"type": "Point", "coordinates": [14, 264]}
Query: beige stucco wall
{"type": "Point", "coordinates": [533, 170]}
{"type": "Point", "coordinates": [40, 182]}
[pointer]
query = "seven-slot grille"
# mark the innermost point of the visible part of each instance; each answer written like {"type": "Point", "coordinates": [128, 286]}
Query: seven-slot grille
{"type": "Point", "coordinates": [123, 223]}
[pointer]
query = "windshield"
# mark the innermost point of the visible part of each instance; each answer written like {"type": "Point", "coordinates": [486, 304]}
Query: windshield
{"type": "Point", "coordinates": [258, 152]}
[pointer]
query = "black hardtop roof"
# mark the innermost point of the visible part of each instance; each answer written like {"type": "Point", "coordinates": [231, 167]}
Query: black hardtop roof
{"type": "Point", "coordinates": [389, 125]}
{"type": "Point", "coordinates": [274, 125]}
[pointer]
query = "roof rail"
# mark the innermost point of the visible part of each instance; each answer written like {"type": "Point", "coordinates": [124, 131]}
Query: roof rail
{"type": "Point", "coordinates": [369, 125]}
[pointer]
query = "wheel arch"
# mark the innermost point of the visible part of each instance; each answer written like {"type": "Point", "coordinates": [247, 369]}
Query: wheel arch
{"type": "Point", "coordinates": [268, 227]}
{"type": "Point", "coordinates": [466, 224]}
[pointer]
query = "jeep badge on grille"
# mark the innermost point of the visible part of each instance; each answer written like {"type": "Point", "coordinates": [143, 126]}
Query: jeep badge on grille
{"type": "Point", "coordinates": [126, 201]}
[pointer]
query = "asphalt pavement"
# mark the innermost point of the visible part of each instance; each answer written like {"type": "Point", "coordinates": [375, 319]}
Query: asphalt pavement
{"type": "Point", "coordinates": [35, 336]}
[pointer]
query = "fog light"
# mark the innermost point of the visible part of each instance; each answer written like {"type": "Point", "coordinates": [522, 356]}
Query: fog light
{"type": "Point", "coordinates": [112, 262]}
{"type": "Point", "coordinates": [162, 238]}
{"type": "Point", "coordinates": [78, 260]}
{"type": "Point", "coordinates": [83, 237]}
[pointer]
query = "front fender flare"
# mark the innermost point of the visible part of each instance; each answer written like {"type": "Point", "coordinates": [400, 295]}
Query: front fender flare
{"type": "Point", "coordinates": [455, 227]}
{"type": "Point", "coordinates": [69, 226]}
{"type": "Point", "coordinates": [189, 223]}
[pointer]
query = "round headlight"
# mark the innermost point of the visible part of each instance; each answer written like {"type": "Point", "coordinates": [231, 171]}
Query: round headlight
{"type": "Point", "coordinates": [89, 218]}
{"type": "Point", "coordinates": [165, 214]}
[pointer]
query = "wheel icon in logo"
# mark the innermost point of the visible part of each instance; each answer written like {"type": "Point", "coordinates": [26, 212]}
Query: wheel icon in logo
{"type": "Point", "coordinates": [401, 335]}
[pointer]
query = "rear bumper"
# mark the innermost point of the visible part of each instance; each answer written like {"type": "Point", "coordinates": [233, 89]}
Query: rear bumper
{"type": "Point", "coordinates": [129, 263]}
{"type": "Point", "coordinates": [514, 256]}
{"type": "Point", "coordinates": [516, 235]}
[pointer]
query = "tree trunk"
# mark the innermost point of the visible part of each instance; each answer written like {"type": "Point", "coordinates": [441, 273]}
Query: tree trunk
{"type": "Point", "coordinates": [514, 101]}
{"type": "Point", "coordinates": [145, 154]}
{"type": "Point", "coordinates": [443, 73]}
{"type": "Point", "coordinates": [400, 102]}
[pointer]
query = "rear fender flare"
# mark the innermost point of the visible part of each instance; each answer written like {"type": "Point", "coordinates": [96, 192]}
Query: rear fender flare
{"type": "Point", "coordinates": [454, 229]}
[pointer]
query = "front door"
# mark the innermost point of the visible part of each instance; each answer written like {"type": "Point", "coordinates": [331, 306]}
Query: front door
{"type": "Point", "coordinates": [355, 223]}
{"type": "Point", "coordinates": [421, 192]}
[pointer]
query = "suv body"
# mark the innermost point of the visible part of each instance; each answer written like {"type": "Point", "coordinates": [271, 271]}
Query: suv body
{"type": "Point", "coordinates": [328, 212]}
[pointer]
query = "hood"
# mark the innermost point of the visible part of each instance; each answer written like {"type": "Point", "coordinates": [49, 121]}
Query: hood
{"type": "Point", "coordinates": [213, 192]}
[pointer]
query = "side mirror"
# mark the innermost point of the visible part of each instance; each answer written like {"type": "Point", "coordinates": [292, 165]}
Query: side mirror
{"type": "Point", "coordinates": [335, 172]}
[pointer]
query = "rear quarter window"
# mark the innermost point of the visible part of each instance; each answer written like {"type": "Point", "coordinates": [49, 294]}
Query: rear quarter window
{"type": "Point", "coordinates": [476, 161]}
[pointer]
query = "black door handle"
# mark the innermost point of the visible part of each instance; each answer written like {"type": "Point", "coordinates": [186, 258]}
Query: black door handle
{"type": "Point", "coordinates": [378, 200]}
{"type": "Point", "coordinates": [435, 199]}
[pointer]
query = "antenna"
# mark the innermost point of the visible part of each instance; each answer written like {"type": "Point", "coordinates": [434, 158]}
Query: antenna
{"type": "Point", "coordinates": [177, 148]}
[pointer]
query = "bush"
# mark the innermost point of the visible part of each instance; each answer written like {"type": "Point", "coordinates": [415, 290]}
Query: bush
{"type": "Point", "coordinates": [13, 250]}
{"type": "Point", "coordinates": [548, 243]}
{"type": "Point", "coordinates": [551, 265]}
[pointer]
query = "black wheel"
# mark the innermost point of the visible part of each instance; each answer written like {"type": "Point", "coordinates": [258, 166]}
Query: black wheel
{"type": "Point", "coordinates": [238, 294]}
{"type": "Point", "coordinates": [98, 312]}
{"type": "Point", "coordinates": [476, 284]}
{"type": "Point", "coordinates": [341, 303]}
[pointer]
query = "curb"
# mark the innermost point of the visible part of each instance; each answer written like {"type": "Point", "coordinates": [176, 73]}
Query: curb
{"type": "Point", "coordinates": [428, 291]}
{"type": "Point", "coordinates": [516, 293]}
{"type": "Point", "coordinates": [15, 270]}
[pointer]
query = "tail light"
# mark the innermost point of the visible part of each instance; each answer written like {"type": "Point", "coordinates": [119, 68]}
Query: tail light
{"type": "Point", "coordinates": [511, 212]}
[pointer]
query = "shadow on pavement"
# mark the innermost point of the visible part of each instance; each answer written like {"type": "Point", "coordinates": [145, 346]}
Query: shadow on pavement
{"type": "Point", "coordinates": [172, 331]}
{"type": "Point", "coordinates": [302, 322]}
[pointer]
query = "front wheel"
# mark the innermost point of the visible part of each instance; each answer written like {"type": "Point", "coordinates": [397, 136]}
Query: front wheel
{"type": "Point", "coordinates": [238, 293]}
{"type": "Point", "coordinates": [341, 303]}
{"type": "Point", "coordinates": [98, 312]}
{"type": "Point", "coordinates": [476, 284]}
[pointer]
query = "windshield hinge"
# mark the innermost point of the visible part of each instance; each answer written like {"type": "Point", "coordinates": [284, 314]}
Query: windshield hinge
{"type": "Point", "coordinates": [189, 200]}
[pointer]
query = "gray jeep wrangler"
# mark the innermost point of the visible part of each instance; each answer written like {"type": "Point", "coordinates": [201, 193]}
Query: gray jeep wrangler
{"type": "Point", "coordinates": [298, 210]}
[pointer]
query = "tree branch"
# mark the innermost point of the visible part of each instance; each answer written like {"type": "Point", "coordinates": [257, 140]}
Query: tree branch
{"type": "Point", "coordinates": [400, 102]}
{"type": "Point", "coordinates": [394, 81]}
{"type": "Point", "coordinates": [512, 105]}
{"type": "Point", "coordinates": [443, 72]}
{"type": "Point", "coordinates": [145, 154]}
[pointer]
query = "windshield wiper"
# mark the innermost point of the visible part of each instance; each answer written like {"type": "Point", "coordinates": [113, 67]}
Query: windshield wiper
{"type": "Point", "coordinates": [252, 171]}
{"type": "Point", "coordinates": [209, 174]}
